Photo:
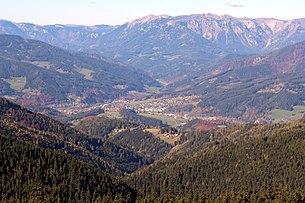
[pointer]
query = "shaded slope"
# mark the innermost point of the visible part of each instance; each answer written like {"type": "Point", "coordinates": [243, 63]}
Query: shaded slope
{"type": "Point", "coordinates": [31, 174]}
{"type": "Point", "coordinates": [53, 74]}
{"type": "Point", "coordinates": [126, 134]}
{"type": "Point", "coordinates": [261, 159]}
{"type": "Point", "coordinates": [41, 130]}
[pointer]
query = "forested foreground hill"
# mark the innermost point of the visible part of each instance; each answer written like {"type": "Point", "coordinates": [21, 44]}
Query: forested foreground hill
{"type": "Point", "coordinates": [19, 123]}
{"type": "Point", "coordinates": [248, 163]}
{"type": "Point", "coordinates": [126, 134]}
{"type": "Point", "coordinates": [43, 160]}
{"type": "Point", "coordinates": [31, 174]}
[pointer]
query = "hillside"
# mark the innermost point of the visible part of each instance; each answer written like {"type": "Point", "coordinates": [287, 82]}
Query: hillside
{"type": "Point", "coordinates": [32, 174]}
{"type": "Point", "coordinates": [33, 70]}
{"type": "Point", "coordinates": [170, 47]}
{"type": "Point", "coordinates": [247, 163]}
{"type": "Point", "coordinates": [65, 36]}
{"type": "Point", "coordinates": [19, 123]}
{"type": "Point", "coordinates": [250, 88]}
{"type": "Point", "coordinates": [126, 134]}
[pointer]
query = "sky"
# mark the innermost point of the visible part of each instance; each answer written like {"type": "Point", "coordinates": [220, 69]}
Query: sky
{"type": "Point", "coordinates": [116, 12]}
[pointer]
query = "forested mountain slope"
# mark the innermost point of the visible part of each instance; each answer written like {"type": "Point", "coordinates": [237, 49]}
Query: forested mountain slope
{"type": "Point", "coordinates": [251, 87]}
{"type": "Point", "coordinates": [43, 131]}
{"type": "Point", "coordinates": [34, 70]}
{"type": "Point", "coordinates": [246, 162]}
{"type": "Point", "coordinates": [129, 135]}
{"type": "Point", "coordinates": [29, 173]}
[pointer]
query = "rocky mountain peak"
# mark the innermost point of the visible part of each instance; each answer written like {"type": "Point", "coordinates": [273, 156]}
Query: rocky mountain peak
{"type": "Point", "coordinates": [147, 19]}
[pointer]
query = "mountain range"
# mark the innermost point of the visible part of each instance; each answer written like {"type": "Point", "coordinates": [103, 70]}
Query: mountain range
{"type": "Point", "coordinates": [165, 45]}
{"type": "Point", "coordinates": [34, 70]}
{"type": "Point", "coordinates": [240, 67]}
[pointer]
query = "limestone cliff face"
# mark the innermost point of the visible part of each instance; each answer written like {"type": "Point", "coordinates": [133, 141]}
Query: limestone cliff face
{"type": "Point", "coordinates": [229, 33]}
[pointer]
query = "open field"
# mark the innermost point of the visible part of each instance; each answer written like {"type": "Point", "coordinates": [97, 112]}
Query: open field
{"type": "Point", "coordinates": [87, 73]}
{"type": "Point", "coordinates": [152, 88]}
{"type": "Point", "coordinates": [168, 139]}
{"type": "Point", "coordinates": [143, 102]}
{"type": "Point", "coordinates": [278, 115]}
{"type": "Point", "coordinates": [42, 64]}
{"type": "Point", "coordinates": [166, 119]}
{"type": "Point", "coordinates": [17, 83]}
{"type": "Point", "coordinates": [111, 114]}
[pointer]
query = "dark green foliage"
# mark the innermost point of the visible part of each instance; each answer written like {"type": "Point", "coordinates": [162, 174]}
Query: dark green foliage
{"type": "Point", "coordinates": [257, 158]}
{"type": "Point", "coordinates": [127, 135]}
{"type": "Point", "coordinates": [102, 126]}
{"type": "Point", "coordinates": [168, 129]}
{"type": "Point", "coordinates": [31, 174]}
{"type": "Point", "coordinates": [49, 133]}
{"type": "Point", "coordinates": [143, 143]}
{"type": "Point", "coordinates": [132, 116]}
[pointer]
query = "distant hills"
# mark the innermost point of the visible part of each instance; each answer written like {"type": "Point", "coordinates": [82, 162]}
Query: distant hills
{"type": "Point", "coordinates": [252, 86]}
{"type": "Point", "coordinates": [170, 47]}
{"type": "Point", "coordinates": [36, 71]}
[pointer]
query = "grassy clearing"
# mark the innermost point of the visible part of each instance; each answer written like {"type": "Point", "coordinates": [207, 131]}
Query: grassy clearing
{"type": "Point", "coordinates": [143, 102]}
{"type": "Point", "coordinates": [166, 119]}
{"type": "Point", "coordinates": [17, 83]}
{"type": "Point", "coordinates": [139, 94]}
{"type": "Point", "coordinates": [152, 88]}
{"type": "Point", "coordinates": [87, 73]}
{"type": "Point", "coordinates": [42, 64]}
{"type": "Point", "coordinates": [75, 122]}
{"type": "Point", "coordinates": [157, 134]}
{"type": "Point", "coordinates": [299, 108]}
{"type": "Point", "coordinates": [60, 70]}
{"type": "Point", "coordinates": [170, 58]}
{"type": "Point", "coordinates": [278, 115]}
{"type": "Point", "coordinates": [111, 114]}
{"type": "Point", "coordinates": [120, 87]}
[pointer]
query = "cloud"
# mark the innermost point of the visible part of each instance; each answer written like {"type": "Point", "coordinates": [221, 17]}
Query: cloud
{"type": "Point", "coordinates": [235, 4]}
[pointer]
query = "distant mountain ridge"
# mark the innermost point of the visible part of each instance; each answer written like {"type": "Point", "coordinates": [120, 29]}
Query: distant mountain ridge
{"type": "Point", "coordinates": [250, 87]}
{"type": "Point", "coordinates": [166, 45]}
{"type": "Point", "coordinates": [254, 34]}
{"type": "Point", "coordinates": [38, 71]}
{"type": "Point", "coordinates": [65, 36]}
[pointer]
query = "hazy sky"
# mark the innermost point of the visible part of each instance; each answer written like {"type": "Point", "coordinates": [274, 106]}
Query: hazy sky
{"type": "Point", "coordinates": [91, 12]}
